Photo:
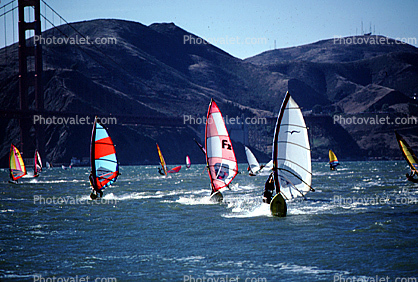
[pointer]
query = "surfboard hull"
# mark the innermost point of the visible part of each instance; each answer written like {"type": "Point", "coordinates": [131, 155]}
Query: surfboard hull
{"type": "Point", "coordinates": [217, 197]}
{"type": "Point", "coordinates": [278, 206]}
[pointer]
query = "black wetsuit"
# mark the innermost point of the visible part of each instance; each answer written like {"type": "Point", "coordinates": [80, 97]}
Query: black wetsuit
{"type": "Point", "coordinates": [268, 189]}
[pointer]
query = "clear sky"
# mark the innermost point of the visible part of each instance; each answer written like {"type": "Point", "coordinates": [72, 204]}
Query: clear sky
{"type": "Point", "coordinates": [257, 25]}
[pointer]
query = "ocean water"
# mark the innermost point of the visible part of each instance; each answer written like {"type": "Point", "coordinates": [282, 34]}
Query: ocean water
{"type": "Point", "coordinates": [360, 224]}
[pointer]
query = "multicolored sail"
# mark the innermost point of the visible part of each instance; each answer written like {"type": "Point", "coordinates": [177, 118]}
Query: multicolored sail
{"type": "Point", "coordinates": [188, 162]}
{"type": "Point", "coordinates": [408, 154]}
{"type": "Point", "coordinates": [291, 152]}
{"type": "Point", "coordinates": [104, 165]}
{"type": "Point", "coordinates": [220, 156]}
{"type": "Point", "coordinates": [37, 168]}
{"type": "Point", "coordinates": [333, 161]}
{"type": "Point", "coordinates": [16, 164]}
{"type": "Point", "coordinates": [162, 162]}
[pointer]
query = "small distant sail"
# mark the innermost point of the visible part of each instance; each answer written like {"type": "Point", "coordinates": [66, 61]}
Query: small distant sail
{"type": "Point", "coordinates": [37, 168]}
{"type": "Point", "coordinates": [291, 152]}
{"type": "Point", "coordinates": [174, 169]}
{"type": "Point", "coordinates": [162, 162]}
{"type": "Point", "coordinates": [252, 161]}
{"type": "Point", "coordinates": [333, 161]}
{"type": "Point", "coordinates": [104, 165]}
{"type": "Point", "coordinates": [188, 162]}
{"type": "Point", "coordinates": [48, 165]}
{"type": "Point", "coordinates": [16, 165]}
{"type": "Point", "coordinates": [220, 156]}
{"type": "Point", "coordinates": [408, 154]}
{"type": "Point", "coordinates": [268, 166]}
{"type": "Point", "coordinates": [201, 147]}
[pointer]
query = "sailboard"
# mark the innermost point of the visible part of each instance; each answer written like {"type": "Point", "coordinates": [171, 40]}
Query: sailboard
{"type": "Point", "coordinates": [104, 164]}
{"type": "Point", "coordinates": [162, 161]}
{"type": "Point", "coordinates": [37, 167]}
{"type": "Point", "coordinates": [17, 167]}
{"type": "Point", "coordinates": [291, 157]}
{"type": "Point", "coordinates": [188, 162]}
{"type": "Point", "coordinates": [253, 164]}
{"type": "Point", "coordinates": [220, 157]}
{"type": "Point", "coordinates": [333, 161]}
{"type": "Point", "coordinates": [409, 156]}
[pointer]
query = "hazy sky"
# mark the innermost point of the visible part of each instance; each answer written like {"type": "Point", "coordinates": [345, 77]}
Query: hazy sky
{"type": "Point", "coordinates": [260, 23]}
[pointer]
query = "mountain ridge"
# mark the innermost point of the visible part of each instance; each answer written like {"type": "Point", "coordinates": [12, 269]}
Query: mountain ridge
{"type": "Point", "coordinates": [151, 72]}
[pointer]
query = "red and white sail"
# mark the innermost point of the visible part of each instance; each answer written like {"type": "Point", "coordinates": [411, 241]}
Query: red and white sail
{"type": "Point", "coordinates": [220, 156]}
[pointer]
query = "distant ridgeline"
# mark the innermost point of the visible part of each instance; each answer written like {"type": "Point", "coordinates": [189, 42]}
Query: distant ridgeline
{"type": "Point", "coordinates": [152, 76]}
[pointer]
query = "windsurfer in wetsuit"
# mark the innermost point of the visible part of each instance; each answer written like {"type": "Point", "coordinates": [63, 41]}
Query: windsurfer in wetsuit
{"type": "Point", "coordinates": [411, 177]}
{"type": "Point", "coordinates": [96, 192]}
{"type": "Point", "coordinates": [160, 171]}
{"type": "Point", "coordinates": [268, 189]}
{"type": "Point", "coordinates": [11, 177]}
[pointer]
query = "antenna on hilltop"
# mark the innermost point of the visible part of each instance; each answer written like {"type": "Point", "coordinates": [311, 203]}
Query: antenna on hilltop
{"type": "Point", "coordinates": [362, 32]}
{"type": "Point", "coordinates": [274, 44]}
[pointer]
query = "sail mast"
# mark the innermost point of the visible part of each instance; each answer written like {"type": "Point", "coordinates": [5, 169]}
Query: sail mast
{"type": "Point", "coordinates": [276, 143]}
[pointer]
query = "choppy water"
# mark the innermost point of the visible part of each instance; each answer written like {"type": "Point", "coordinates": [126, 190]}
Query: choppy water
{"type": "Point", "coordinates": [360, 223]}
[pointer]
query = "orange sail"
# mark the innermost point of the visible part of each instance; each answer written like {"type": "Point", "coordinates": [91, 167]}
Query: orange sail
{"type": "Point", "coordinates": [162, 161]}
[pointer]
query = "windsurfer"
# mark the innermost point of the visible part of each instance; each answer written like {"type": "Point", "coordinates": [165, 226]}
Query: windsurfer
{"type": "Point", "coordinates": [95, 192]}
{"type": "Point", "coordinates": [268, 189]}
{"type": "Point", "coordinates": [411, 177]}
{"type": "Point", "coordinates": [11, 177]}
{"type": "Point", "coordinates": [160, 171]}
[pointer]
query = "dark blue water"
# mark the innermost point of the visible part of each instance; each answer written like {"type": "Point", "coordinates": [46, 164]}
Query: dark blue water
{"type": "Point", "coordinates": [360, 223]}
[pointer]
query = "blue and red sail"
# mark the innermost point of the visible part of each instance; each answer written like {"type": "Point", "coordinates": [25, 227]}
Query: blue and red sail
{"type": "Point", "coordinates": [104, 165]}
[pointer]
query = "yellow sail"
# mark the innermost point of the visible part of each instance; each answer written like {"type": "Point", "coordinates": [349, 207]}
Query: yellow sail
{"type": "Point", "coordinates": [16, 164]}
{"type": "Point", "coordinates": [333, 161]}
{"type": "Point", "coordinates": [332, 156]}
{"type": "Point", "coordinates": [162, 162]}
{"type": "Point", "coordinates": [407, 152]}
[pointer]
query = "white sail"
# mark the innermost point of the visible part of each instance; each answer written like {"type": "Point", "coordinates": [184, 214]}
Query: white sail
{"type": "Point", "coordinates": [291, 152]}
{"type": "Point", "coordinates": [252, 161]}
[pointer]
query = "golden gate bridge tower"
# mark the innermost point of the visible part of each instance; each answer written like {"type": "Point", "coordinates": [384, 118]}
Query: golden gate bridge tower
{"type": "Point", "coordinates": [30, 79]}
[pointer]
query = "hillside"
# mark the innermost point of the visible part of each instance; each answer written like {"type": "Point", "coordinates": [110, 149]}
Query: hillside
{"type": "Point", "coordinates": [151, 73]}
